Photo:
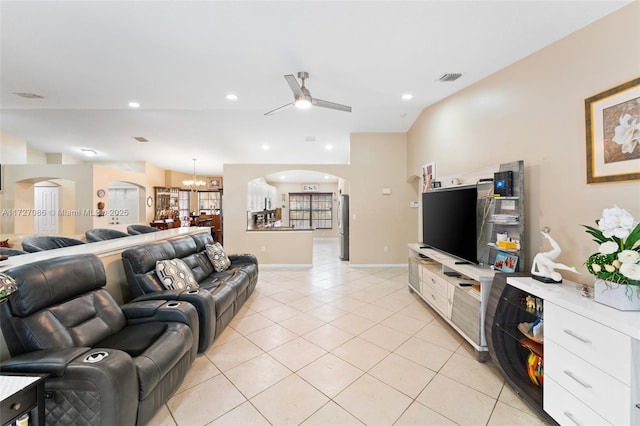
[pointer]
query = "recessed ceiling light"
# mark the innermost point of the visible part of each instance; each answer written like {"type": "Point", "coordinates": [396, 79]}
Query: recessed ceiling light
{"type": "Point", "coordinates": [407, 96]}
{"type": "Point", "coordinates": [283, 177]}
{"type": "Point", "coordinates": [232, 97]}
{"type": "Point", "coordinates": [134, 104]}
{"type": "Point", "coordinates": [326, 177]}
{"type": "Point", "coordinates": [328, 147]}
{"type": "Point", "coordinates": [265, 147]}
{"type": "Point", "coordinates": [28, 95]}
{"type": "Point", "coordinates": [89, 152]}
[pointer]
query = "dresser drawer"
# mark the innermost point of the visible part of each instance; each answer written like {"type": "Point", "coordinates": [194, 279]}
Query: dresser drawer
{"type": "Point", "coordinates": [605, 395]}
{"type": "Point", "coordinates": [602, 346]}
{"type": "Point", "coordinates": [565, 408]}
{"type": "Point", "coordinates": [431, 277]}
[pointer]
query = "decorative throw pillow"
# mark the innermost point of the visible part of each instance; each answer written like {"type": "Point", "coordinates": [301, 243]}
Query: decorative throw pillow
{"type": "Point", "coordinates": [217, 257]}
{"type": "Point", "coordinates": [7, 285]}
{"type": "Point", "coordinates": [175, 275]}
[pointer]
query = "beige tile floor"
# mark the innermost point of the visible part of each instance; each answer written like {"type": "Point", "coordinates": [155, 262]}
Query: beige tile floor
{"type": "Point", "coordinates": [339, 345]}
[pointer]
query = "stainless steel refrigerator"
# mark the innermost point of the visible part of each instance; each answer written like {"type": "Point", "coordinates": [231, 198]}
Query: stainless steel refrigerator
{"type": "Point", "coordinates": [343, 226]}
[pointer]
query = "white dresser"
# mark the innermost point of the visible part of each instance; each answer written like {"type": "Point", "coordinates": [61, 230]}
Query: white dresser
{"type": "Point", "coordinates": [591, 357]}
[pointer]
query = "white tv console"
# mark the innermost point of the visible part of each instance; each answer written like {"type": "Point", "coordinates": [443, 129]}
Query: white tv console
{"type": "Point", "coordinates": [460, 300]}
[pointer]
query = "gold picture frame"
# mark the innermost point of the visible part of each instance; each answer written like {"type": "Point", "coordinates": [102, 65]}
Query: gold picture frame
{"type": "Point", "coordinates": [612, 125]}
{"type": "Point", "coordinates": [214, 183]}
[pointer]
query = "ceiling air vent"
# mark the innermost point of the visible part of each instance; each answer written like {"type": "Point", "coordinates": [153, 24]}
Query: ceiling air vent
{"type": "Point", "coordinates": [28, 95]}
{"type": "Point", "coordinates": [450, 77]}
{"type": "Point", "coordinates": [310, 139]}
{"type": "Point", "coordinates": [141, 139]}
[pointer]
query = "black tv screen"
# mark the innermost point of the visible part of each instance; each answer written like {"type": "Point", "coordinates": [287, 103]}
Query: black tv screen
{"type": "Point", "coordinates": [449, 222]}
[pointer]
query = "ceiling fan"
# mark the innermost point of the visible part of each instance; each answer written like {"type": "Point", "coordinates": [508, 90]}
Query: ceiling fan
{"type": "Point", "coordinates": [302, 96]}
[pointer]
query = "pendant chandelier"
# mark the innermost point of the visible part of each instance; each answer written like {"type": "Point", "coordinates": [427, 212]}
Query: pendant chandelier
{"type": "Point", "coordinates": [194, 183]}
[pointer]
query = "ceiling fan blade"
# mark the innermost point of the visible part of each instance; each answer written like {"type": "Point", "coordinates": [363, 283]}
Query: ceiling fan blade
{"type": "Point", "coordinates": [332, 105]}
{"type": "Point", "coordinates": [278, 109]}
{"type": "Point", "coordinates": [295, 87]}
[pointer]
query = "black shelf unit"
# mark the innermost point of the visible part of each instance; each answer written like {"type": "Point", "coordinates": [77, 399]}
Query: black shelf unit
{"type": "Point", "coordinates": [506, 308]}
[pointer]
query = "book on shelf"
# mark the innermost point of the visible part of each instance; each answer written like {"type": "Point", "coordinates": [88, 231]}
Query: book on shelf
{"type": "Point", "coordinates": [504, 218]}
{"type": "Point", "coordinates": [505, 262]}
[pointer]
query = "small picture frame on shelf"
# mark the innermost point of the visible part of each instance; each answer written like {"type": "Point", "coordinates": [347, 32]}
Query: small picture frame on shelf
{"type": "Point", "coordinates": [505, 262]}
{"type": "Point", "coordinates": [428, 175]}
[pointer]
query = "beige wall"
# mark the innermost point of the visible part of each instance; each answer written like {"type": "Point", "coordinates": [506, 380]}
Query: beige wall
{"type": "Point", "coordinates": [533, 110]}
{"type": "Point", "coordinates": [377, 161]}
{"type": "Point", "coordinates": [78, 182]}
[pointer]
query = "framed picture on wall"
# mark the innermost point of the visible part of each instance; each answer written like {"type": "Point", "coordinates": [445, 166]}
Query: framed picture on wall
{"type": "Point", "coordinates": [427, 176]}
{"type": "Point", "coordinates": [214, 183]}
{"type": "Point", "coordinates": [612, 130]}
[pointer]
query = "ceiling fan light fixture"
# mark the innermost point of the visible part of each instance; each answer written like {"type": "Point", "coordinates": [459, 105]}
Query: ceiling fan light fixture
{"type": "Point", "coordinates": [303, 103]}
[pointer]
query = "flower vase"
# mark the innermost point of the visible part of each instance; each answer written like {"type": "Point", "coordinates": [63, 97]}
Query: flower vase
{"type": "Point", "coordinates": [621, 297]}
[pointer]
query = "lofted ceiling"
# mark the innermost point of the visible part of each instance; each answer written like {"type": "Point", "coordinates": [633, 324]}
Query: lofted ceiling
{"type": "Point", "coordinates": [180, 59]}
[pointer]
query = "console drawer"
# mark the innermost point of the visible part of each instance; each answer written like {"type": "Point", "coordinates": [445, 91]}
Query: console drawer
{"type": "Point", "coordinates": [431, 277]}
{"type": "Point", "coordinates": [437, 301]}
{"type": "Point", "coordinates": [565, 408]}
{"type": "Point", "coordinates": [597, 344]}
{"type": "Point", "coordinates": [605, 395]}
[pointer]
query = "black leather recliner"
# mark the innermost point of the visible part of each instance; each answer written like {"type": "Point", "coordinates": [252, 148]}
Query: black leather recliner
{"type": "Point", "coordinates": [103, 234]}
{"type": "Point", "coordinates": [11, 252]}
{"type": "Point", "coordinates": [107, 364]}
{"type": "Point", "coordinates": [140, 229]}
{"type": "Point", "coordinates": [46, 242]}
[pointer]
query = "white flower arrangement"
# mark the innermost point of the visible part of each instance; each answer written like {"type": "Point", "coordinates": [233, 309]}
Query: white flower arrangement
{"type": "Point", "coordinates": [618, 257]}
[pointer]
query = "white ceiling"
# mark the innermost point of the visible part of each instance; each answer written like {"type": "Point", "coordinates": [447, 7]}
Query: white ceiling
{"type": "Point", "coordinates": [179, 59]}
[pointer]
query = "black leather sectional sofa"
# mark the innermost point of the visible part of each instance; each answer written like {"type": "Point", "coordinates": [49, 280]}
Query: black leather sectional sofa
{"type": "Point", "coordinates": [117, 365]}
{"type": "Point", "coordinates": [106, 364]}
{"type": "Point", "coordinates": [220, 294]}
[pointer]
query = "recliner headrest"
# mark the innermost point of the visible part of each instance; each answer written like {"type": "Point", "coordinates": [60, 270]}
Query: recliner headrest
{"type": "Point", "coordinates": [51, 281]}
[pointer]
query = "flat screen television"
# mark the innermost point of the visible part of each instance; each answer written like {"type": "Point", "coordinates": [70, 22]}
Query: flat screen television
{"type": "Point", "coordinates": [449, 222]}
